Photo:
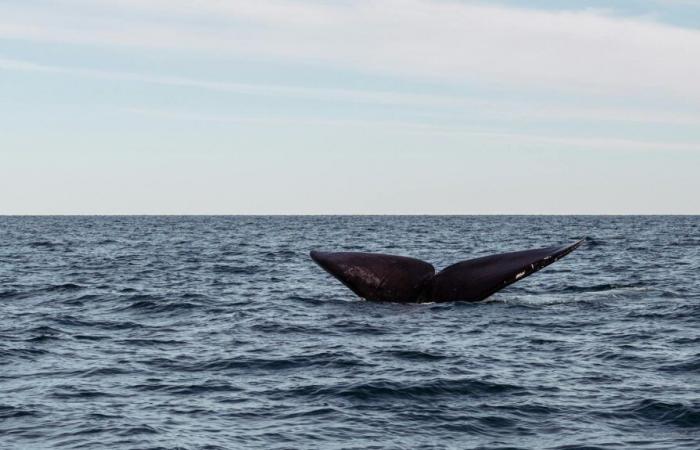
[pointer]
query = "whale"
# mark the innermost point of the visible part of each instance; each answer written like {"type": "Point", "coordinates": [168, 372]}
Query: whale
{"type": "Point", "coordinates": [390, 278]}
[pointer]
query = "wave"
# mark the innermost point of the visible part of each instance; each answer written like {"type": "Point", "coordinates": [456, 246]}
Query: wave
{"type": "Point", "coordinates": [10, 412]}
{"type": "Point", "coordinates": [379, 390]}
{"type": "Point", "coordinates": [602, 287]}
{"type": "Point", "coordinates": [12, 293]}
{"type": "Point", "coordinates": [237, 270]}
{"type": "Point", "coordinates": [155, 307]}
{"type": "Point", "coordinates": [65, 287]}
{"type": "Point", "coordinates": [113, 325]}
{"type": "Point", "coordinates": [283, 328]}
{"type": "Point", "coordinates": [44, 244]}
{"type": "Point", "coordinates": [413, 355]}
{"type": "Point", "coordinates": [690, 367]}
{"type": "Point", "coordinates": [102, 372]}
{"type": "Point", "coordinates": [669, 413]}
{"type": "Point", "coordinates": [251, 364]}
{"type": "Point", "coordinates": [188, 389]}
{"type": "Point", "coordinates": [147, 343]}
{"type": "Point", "coordinates": [72, 393]}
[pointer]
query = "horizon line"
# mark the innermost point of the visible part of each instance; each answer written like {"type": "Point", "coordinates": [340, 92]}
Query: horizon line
{"type": "Point", "coordinates": [354, 215]}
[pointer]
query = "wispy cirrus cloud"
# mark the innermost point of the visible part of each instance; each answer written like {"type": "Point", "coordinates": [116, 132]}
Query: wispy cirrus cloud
{"type": "Point", "coordinates": [584, 51]}
{"type": "Point", "coordinates": [590, 143]}
{"type": "Point", "coordinates": [488, 108]}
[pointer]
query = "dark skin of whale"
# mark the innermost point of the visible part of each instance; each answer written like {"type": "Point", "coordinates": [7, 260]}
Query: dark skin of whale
{"type": "Point", "coordinates": [389, 278]}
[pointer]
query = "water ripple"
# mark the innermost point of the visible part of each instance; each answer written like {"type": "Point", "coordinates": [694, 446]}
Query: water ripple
{"type": "Point", "coordinates": [220, 332]}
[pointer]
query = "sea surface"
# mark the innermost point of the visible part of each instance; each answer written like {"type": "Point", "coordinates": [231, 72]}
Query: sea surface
{"type": "Point", "coordinates": [221, 333]}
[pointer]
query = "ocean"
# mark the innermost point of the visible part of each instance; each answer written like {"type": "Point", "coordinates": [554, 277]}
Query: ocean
{"type": "Point", "coordinates": [197, 332]}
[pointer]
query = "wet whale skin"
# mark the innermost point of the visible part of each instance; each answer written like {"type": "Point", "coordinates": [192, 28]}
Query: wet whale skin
{"type": "Point", "coordinates": [380, 277]}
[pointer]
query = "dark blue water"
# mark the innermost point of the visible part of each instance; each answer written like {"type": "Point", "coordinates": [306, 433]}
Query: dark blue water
{"type": "Point", "coordinates": [220, 332]}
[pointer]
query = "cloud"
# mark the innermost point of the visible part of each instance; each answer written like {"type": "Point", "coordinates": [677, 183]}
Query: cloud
{"type": "Point", "coordinates": [330, 94]}
{"type": "Point", "coordinates": [583, 51]}
{"type": "Point", "coordinates": [504, 137]}
{"type": "Point", "coordinates": [489, 109]}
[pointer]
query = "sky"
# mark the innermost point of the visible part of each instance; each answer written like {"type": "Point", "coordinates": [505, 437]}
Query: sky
{"type": "Point", "coordinates": [349, 107]}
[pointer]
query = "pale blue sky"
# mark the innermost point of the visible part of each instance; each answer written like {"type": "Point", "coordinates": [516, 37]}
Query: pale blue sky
{"type": "Point", "coordinates": [382, 107]}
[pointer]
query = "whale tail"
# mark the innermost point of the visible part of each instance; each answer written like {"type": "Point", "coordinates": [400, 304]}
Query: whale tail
{"type": "Point", "coordinates": [379, 277]}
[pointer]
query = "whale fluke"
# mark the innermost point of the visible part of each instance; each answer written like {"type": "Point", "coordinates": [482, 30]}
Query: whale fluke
{"type": "Point", "coordinates": [379, 277]}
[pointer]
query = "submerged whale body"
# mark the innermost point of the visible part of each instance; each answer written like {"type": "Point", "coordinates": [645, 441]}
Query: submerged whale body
{"type": "Point", "coordinates": [390, 278]}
